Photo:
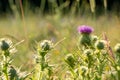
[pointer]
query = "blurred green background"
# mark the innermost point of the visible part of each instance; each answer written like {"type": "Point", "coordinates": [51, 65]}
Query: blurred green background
{"type": "Point", "coordinates": [36, 20]}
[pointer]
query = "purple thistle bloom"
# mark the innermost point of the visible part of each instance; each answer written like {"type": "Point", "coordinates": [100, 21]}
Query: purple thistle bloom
{"type": "Point", "coordinates": [85, 29]}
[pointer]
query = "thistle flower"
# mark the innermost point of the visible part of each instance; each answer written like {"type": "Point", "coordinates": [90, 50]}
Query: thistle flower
{"type": "Point", "coordinates": [85, 29]}
{"type": "Point", "coordinates": [85, 38]}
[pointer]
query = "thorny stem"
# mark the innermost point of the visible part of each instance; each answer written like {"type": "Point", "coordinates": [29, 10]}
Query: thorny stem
{"type": "Point", "coordinates": [42, 63]}
{"type": "Point", "coordinates": [5, 66]}
{"type": "Point", "coordinates": [42, 66]}
{"type": "Point", "coordinates": [6, 74]}
{"type": "Point", "coordinates": [40, 78]}
{"type": "Point", "coordinates": [118, 74]}
{"type": "Point", "coordinates": [72, 71]}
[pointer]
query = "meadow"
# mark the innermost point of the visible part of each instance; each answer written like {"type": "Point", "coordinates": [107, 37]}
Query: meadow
{"type": "Point", "coordinates": [54, 28]}
{"type": "Point", "coordinates": [28, 30]}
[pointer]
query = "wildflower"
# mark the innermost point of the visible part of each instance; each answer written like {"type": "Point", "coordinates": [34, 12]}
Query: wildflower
{"type": "Point", "coordinates": [46, 45]}
{"type": "Point", "coordinates": [70, 60]}
{"type": "Point", "coordinates": [85, 29]}
{"type": "Point", "coordinates": [85, 38]}
{"type": "Point", "coordinates": [100, 44]}
{"type": "Point", "coordinates": [117, 48]}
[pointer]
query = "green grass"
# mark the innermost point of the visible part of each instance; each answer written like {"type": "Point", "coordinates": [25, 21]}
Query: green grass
{"type": "Point", "coordinates": [54, 28]}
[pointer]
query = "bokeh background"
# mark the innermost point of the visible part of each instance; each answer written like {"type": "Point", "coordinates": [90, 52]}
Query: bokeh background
{"type": "Point", "coordinates": [36, 20]}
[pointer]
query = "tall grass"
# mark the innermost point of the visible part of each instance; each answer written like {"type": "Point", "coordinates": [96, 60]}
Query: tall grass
{"type": "Point", "coordinates": [53, 6]}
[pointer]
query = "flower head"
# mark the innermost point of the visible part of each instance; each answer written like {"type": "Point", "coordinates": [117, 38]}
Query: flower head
{"type": "Point", "coordinates": [85, 29]}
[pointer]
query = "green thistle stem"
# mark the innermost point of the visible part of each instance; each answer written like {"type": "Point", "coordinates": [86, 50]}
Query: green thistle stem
{"type": "Point", "coordinates": [73, 73]}
{"type": "Point", "coordinates": [88, 75]}
{"type": "Point", "coordinates": [5, 65]}
{"type": "Point", "coordinates": [42, 63]}
{"type": "Point", "coordinates": [118, 74]}
{"type": "Point", "coordinates": [89, 61]}
{"type": "Point", "coordinates": [6, 74]}
{"type": "Point", "coordinates": [40, 78]}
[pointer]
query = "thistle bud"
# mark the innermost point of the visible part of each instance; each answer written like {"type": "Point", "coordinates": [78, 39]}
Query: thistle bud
{"type": "Point", "coordinates": [94, 38]}
{"type": "Point", "coordinates": [84, 70]}
{"type": "Point", "coordinates": [12, 73]}
{"type": "Point", "coordinates": [88, 51]}
{"type": "Point", "coordinates": [5, 44]}
{"type": "Point", "coordinates": [117, 48]}
{"type": "Point", "coordinates": [100, 44]}
{"type": "Point", "coordinates": [85, 39]}
{"type": "Point", "coordinates": [70, 60]}
{"type": "Point", "coordinates": [46, 45]}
